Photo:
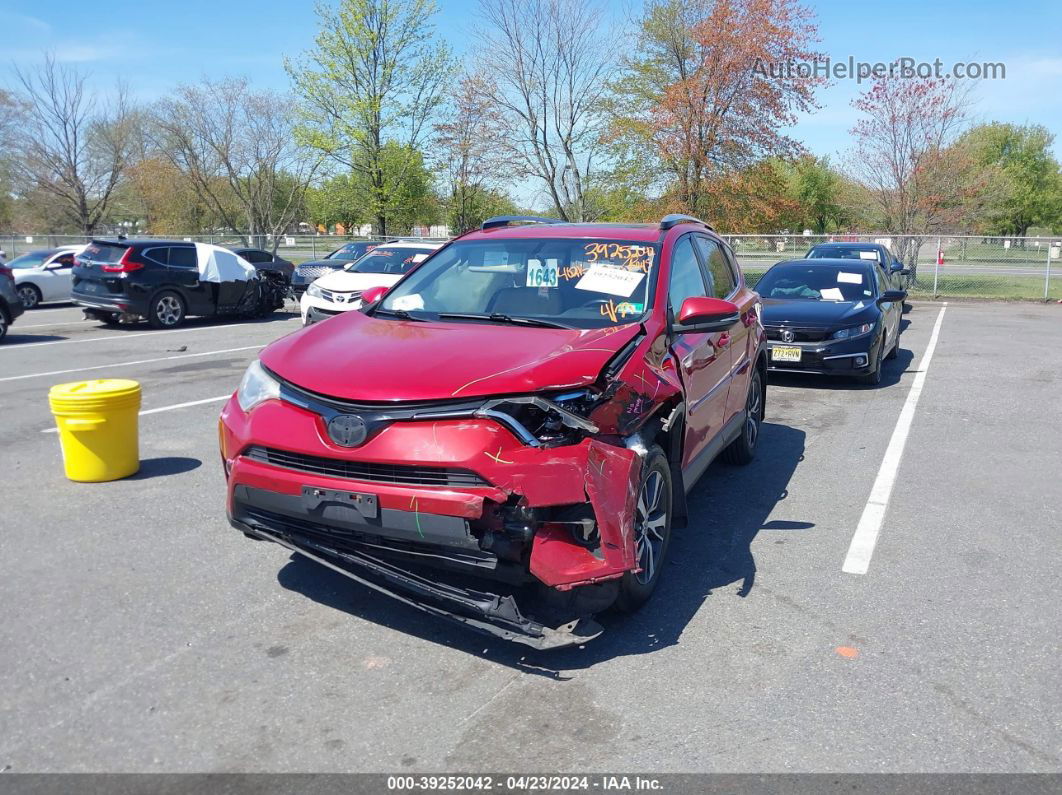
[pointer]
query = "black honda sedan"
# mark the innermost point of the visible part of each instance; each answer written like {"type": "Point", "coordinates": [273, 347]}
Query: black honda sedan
{"type": "Point", "coordinates": [835, 317]}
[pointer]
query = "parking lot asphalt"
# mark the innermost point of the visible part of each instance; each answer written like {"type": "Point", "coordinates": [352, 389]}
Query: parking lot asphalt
{"type": "Point", "coordinates": [141, 633]}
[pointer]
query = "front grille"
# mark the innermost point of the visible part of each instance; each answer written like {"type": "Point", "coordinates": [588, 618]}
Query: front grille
{"type": "Point", "coordinates": [799, 334]}
{"type": "Point", "coordinates": [313, 271]}
{"type": "Point", "coordinates": [340, 298]}
{"type": "Point", "coordinates": [396, 474]}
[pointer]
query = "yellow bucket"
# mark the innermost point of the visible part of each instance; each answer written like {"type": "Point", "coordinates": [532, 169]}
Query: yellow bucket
{"type": "Point", "coordinates": [97, 423]}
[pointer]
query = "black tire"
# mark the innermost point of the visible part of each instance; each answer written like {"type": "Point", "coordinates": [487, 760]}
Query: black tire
{"type": "Point", "coordinates": [742, 450]}
{"type": "Point", "coordinates": [652, 517]}
{"type": "Point", "coordinates": [873, 378]}
{"type": "Point", "coordinates": [895, 349]}
{"type": "Point", "coordinates": [29, 295]}
{"type": "Point", "coordinates": [110, 318]}
{"type": "Point", "coordinates": [3, 325]}
{"type": "Point", "coordinates": [166, 311]}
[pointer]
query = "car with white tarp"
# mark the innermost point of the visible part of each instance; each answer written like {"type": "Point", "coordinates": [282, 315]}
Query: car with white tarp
{"type": "Point", "coordinates": [165, 281]}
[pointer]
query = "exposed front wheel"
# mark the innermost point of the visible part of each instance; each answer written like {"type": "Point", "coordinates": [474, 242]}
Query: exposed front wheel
{"type": "Point", "coordinates": [743, 448]}
{"type": "Point", "coordinates": [167, 311]}
{"type": "Point", "coordinates": [29, 295]}
{"type": "Point", "coordinates": [652, 533]}
{"type": "Point", "coordinates": [3, 326]}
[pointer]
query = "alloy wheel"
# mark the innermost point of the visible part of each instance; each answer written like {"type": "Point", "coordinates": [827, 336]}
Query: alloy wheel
{"type": "Point", "coordinates": [168, 310]}
{"type": "Point", "coordinates": [650, 525]}
{"type": "Point", "coordinates": [753, 410]}
{"type": "Point", "coordinates": [28, 296]}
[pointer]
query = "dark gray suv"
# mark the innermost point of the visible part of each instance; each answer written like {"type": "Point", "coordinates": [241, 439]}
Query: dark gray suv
{"type": "Point", "coordinates": [10, 304]}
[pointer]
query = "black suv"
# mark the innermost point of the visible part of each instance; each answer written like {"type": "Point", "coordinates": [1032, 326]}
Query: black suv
{"type": "Point", "coordinates": [159, 280]}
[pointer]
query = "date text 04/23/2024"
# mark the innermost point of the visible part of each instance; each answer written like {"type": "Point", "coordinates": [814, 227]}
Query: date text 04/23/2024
{"type": "Point", "coordinates": [523, 783]}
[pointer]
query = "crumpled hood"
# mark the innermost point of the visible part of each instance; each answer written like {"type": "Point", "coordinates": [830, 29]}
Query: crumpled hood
{"type": "Point", "coordinates": [815, 313]}
{"type": "Point", "coordinates": [345, 281]}
{"type": "Point", "coordinates": [360, 358]}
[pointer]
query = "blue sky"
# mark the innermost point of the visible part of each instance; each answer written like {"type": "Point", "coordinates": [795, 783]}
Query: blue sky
{"type": "Point", "coordinates": [153, 44]}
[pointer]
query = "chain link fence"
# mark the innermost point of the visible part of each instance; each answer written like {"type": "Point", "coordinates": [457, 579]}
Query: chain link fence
{"type": "Point", "coordinates": [1027, 268]}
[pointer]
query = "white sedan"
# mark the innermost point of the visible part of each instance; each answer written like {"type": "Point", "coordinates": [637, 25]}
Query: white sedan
{"type": "Point", "coordinates": [340, 291]}
{"type": "Point", "coordinates": [44, 275]}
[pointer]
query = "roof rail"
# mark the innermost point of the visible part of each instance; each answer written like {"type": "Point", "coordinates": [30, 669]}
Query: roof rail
{"type": "Point", "coordinates": [505, 220]}
{"type": "Point", "coordinates": [675, 219]}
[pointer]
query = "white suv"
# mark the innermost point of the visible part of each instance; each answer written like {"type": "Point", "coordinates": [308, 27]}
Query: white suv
{"type": "Point", "coordinates": [340, 291]}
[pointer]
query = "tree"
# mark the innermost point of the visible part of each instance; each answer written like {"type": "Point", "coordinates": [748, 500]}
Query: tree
{"type": "Point", "coordinates": [406, 183]}
{"type": "Point", "coordinates": [374, 77]}
{"type": "Point", "coordinates": [9, 112]}
{"type": "Point", "coordinates": [816, 188]}
{"type": "Point", "coordinates": [904, 153]}
{"type": "Point", "coordinates": [236, 148]}
{"type": "Point", "coordinates": [549, 62]}
{"type": "Point", "coordinates": [1028, 182]}
{"type": "Point", "coordinates": [335, 201]}
{"type": "Point", "coordinates": [470, 154]}
{"type": "Point", "coordinates": [70, 144]}
{"type": "Point", "coordinates": [699, 98]}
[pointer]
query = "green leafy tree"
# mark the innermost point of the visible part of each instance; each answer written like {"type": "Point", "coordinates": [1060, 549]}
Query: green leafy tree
{"type": "Point", "coordinates": [1027, 183]}
{"type": "Point", "coordinates": [370, 89]}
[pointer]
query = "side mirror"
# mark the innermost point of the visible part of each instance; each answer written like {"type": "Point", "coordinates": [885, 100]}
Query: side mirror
{"type": "Point", "coordinates": [892, 297]}
{"type": "Point", "coordinates": [700, 313]}
{"type": "Point", "coordinates": [372, 295]}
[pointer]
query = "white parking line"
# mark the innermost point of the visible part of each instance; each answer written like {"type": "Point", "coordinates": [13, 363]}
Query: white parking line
{"type": "Point", "coordinates": [129, 364]}
{"type": "Point", "coordinates": [49, 325]}
{"type": "Point", "coordinates": [111, 338]}
{"type": "Point", "coordinates": [168, 408]}
{"type": "Point", "coordinates": [866, 535]}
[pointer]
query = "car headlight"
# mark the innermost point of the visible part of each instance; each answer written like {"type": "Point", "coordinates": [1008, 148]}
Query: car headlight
{"type": "Point", "coordinates": [256, 387]}
{"type": "Point", "coordinates": [314, 291]}
{"type": "Point", "coordinates": [854, 331]}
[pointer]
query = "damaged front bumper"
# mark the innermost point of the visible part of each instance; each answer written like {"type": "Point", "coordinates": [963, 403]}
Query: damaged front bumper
{"type": "Point", "coordinates": [488, 613]}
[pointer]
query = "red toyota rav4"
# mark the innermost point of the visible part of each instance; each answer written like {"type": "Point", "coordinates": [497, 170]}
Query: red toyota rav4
{"type": "Point", "coordinates": [529, 406]}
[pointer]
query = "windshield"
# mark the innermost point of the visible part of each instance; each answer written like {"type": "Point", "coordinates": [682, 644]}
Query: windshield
{"type": "Point", "coordinates": [570, 282]}
{"type": "Point", "coordinates": [816, 283]}
{"type": "Point", "coordinates": [844, 252]}
{"type": "Point", "coordinates": [389, 260]}
{"type": "Point", "coordinates": [32, 260]}
{"type": "Point", "coordinates": [351, 251]}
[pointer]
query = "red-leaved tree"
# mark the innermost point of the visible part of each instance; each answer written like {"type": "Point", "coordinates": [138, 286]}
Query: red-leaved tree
{"type": "Point", "coordinates": [904, 153]}
{"type": "Point", "coordinates": [710, 89]}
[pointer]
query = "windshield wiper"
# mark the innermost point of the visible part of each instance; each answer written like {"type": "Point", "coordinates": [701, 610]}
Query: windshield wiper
{"type": "Point", "coordinates": [401, 314]}
{"type": "Point", "coordinates": [498, 317]}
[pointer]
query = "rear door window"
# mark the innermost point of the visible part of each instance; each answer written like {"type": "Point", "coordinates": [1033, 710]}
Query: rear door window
{"type": "Point", "coordinates": [183, 257]}
{"type": "Point", "coordinates": [161, 255]}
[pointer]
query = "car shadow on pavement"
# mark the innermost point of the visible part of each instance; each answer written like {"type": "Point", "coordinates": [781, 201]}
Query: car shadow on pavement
{"type": "Point", "coordinates": [727, 509]}
{"type": "Point", "coordinates": [14, 339]}
{"type": "Point", "coordinates": [165, 465]}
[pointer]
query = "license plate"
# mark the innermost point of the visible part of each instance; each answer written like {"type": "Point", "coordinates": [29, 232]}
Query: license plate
{"type": "Point", "coordinates": [367, 505]}
{"type": "Point", "coordinates": [785, 353]}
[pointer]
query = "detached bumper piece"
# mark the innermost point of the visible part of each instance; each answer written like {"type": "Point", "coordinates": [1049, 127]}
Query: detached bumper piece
{"type": "Point", "coordinates": [488, 613]}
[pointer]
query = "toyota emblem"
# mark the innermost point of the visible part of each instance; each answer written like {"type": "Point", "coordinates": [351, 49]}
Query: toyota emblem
{"type": "Point", "coordinates": [347, 430]}
{"type": "Point", "coordinates": [788, 336]}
